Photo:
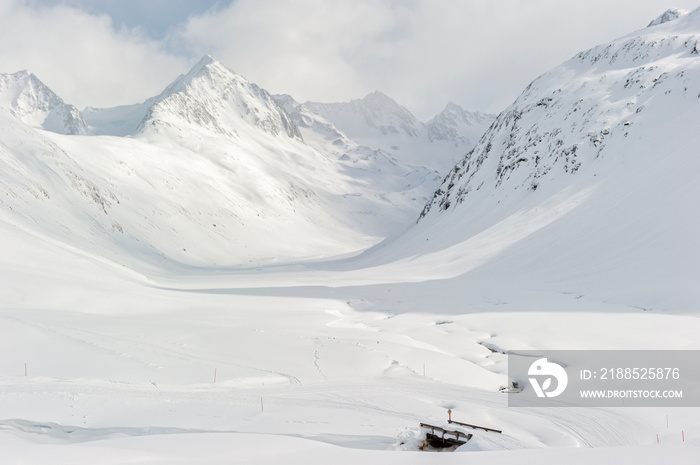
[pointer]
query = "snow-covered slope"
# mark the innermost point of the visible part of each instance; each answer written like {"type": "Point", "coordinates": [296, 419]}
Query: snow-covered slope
{"type": "Point", "coordinates": [26, 98]}
{"type": "Point", "coordinates": [398, 186]}
{"type": "Point", "coordinates": [116, 121]}
{"type": "Point", "coordinates": [587, 182]}
{"type": "Point", "coordinates": [566, 120]}
{"type": "Point", "coordinates": [458, 126]}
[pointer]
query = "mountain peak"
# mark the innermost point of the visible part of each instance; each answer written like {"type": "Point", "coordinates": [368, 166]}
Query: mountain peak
{"type": "Point", "coordinates": [457, 125]}
{"type": "Point", "coordinates": [375, 113]}
{"type": "Point", "coordinates": [207, 65]}
{"type": "Point", "coordinates": [452, 107]}
{"type": "Point", "coordinates": [212, 97]}
{"type": "Point", "coordinates": [378, 97]}
{"type": "Point", "coordinates": [669, 15]}
{"type": "Point", "coordinates": [29, 100]}
{"type": "Point", "coordinates": [206, 60]}
{"type": "Point", "coordinates": [471, 117]}
{"type": "Point", "coordinates": [22, 74]}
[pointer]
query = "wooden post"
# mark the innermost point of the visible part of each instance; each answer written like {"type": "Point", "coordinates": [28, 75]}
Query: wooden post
{"type": "Point", "coordinates": [449, 416]}
{"type": "Point", "coordinates": [262, 407]}
{"type": "Point", "coordinates": [683, 435]}
{"type": "Point", "coordinates": [424, 370]}
{"type": "Point", "coordinates": [214, 375]}
{"type": "Point", "coordinates": [657, 438]}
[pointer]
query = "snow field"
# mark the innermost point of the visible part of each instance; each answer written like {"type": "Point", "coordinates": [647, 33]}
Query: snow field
{"type": "Point", "coordinates": [116, 362]}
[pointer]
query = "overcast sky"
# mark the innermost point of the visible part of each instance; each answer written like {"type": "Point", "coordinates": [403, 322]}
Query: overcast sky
{"type": "Point", "coordinates": [479, 54]}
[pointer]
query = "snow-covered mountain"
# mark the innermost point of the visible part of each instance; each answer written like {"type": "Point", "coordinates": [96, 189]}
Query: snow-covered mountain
{"type": "Point", "coordinates": [314, 123]}
{"type": "Point", "coordinates": [214, 98]}
{"type": "Point", "coordinates": [209, 97]}
{"type": "Point", "coordinates": [456, 125]}
{"type": "Point", "coordinates": [213, 174]}
{"type": "Point", "coordinates": [374, 115]}
{"type": "Point", "coordinates": [562, 126]}
{"type": "Point", "coordinates": [26, 98]}
{"type": "Point", "coordinates": [587, 182]}
{"type": "Point", "coordinates": [668, 15]}
{"type": "Point", "coordinates": [392, 182]}
{"type": "Point", "coordinates": [214, 171]}
{"type": "Point", "coordinates": [379, 122]}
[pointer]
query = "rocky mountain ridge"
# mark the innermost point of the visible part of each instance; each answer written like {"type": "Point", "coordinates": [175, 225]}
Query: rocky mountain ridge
{"type": "Point", "coordinates": [29, 100]}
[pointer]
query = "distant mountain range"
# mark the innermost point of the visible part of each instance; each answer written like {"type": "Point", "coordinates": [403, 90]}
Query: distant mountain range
{"type": "Point", "coordinates": [215, 170]}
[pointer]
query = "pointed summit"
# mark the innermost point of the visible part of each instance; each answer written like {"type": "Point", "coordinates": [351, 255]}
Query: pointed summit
{"type": "Point", "coordinates": [29, 100]}
{"type": "Point", "coordinates": [213, 98]}
{"type": "Point", "coordinates": [206, 66]}
{"type": "Point", "coordinates": [379, 98]}
{"type": "Point", "coordinates": [669, 15]}
{"type": "Point", "coordinates": [206, 60]}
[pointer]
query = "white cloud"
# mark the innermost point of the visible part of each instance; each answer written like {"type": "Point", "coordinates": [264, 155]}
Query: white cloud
{"type": "Point", "coordinates": [283, 44]}
{"type": "Point", "coordinates": [81, 57]}
{"type": "Point", "coordinates": [424, 53]}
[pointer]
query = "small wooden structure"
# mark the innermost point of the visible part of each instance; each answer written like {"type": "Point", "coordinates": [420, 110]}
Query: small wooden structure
{"type": "Point", "coordinates": [440, 441]}
{"type": "Point", "coordinates": [490, 430]}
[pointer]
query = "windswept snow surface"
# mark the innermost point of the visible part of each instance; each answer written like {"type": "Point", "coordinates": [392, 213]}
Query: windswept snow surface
{"type": "Point", "coordinates": [571, 225]}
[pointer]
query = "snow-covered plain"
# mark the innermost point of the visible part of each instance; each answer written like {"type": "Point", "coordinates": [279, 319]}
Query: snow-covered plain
{"type": "Point", "coordinates": [124, 367]}
{"type": "Point", "coordinates": [112, 356]}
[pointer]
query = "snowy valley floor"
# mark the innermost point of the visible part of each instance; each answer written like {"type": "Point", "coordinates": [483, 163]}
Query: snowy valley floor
{"type": "Point", "coordinates": [290, 365]}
